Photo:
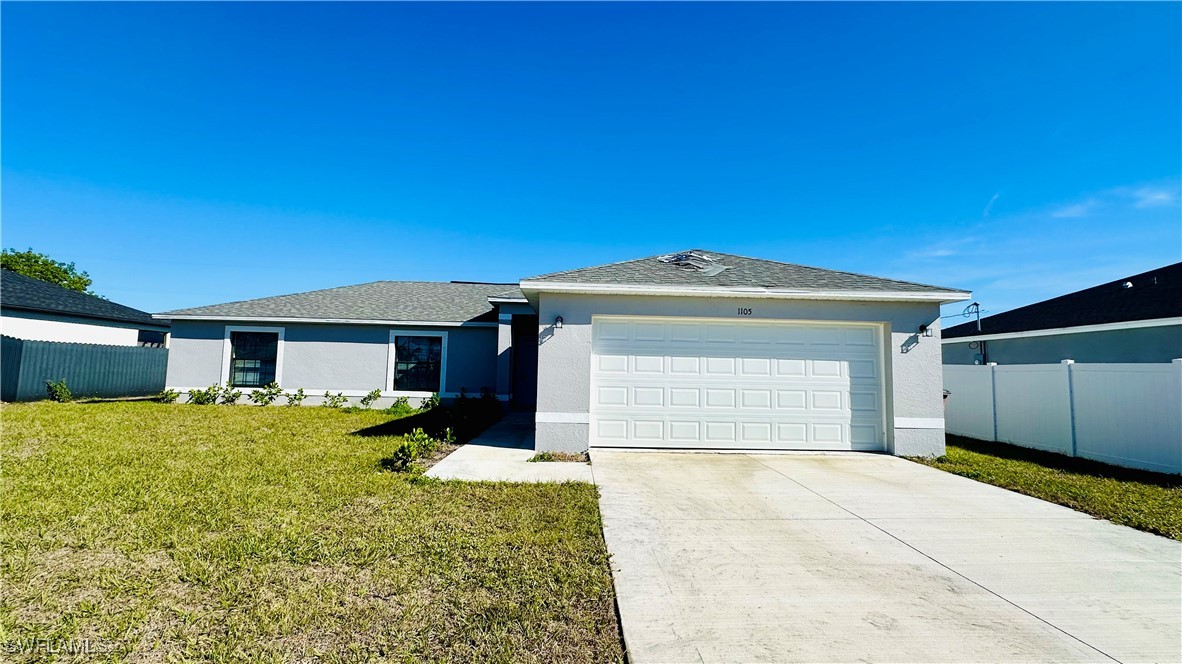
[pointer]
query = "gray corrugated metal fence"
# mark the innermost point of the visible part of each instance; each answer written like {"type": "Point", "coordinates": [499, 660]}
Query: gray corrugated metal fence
{"type": "Point", "coordinates": [89, 370]}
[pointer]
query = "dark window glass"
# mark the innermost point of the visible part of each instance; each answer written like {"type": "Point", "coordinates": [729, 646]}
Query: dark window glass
{"type": "Point", "coordinates": [252, 358]}
{"type": "Point", "coordinates": [417, 362]}
{"type": "Point", "coordinates": [151, 339]}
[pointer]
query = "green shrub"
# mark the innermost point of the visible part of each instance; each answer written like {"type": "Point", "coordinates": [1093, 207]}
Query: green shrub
{"type": "Point", "coordinates": [205, 397]}
{"type": "Point", "coordinates": [368, 399]}
{"type": "Point", "coordinates": [58, 391]}
{"type": "Point", "coordinates": [401, 407]}
{"type": "Point", "coordinates": [334, 400]}
{"type": "Point", "coordinates": [430, 402]}
{"type": "Point", "coordinates": [229, 395]}
{"type": "Point", "coordinates": [168, 396]}
{"type": "Point", "coordinates": [414, 446]}
{"type": "Point", "coordinates": [295, 398]}
{"type": "Point", "coordinates": [267, 395]}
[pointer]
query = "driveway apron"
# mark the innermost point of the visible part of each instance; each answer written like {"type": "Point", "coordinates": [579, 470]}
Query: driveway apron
{"type": "Point", "coordinates": [861, 557]}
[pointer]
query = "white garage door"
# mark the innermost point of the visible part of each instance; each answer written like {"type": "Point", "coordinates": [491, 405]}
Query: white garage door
{"type": "Point", "coordinates": [737, 384]}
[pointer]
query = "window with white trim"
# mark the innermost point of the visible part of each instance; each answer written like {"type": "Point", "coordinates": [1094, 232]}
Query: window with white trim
{"type": "Point", "coordinates": [253, 358]}
{"type": "Point", "coordinates": [418, 363]}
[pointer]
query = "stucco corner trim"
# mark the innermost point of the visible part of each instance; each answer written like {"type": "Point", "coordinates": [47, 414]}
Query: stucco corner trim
{"type": "Point", "coordinates": [919, 423]}
{"type": "Point", "coordinates": [562, 418]}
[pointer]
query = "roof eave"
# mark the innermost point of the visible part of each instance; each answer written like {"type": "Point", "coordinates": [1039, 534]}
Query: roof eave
{"type": "Point", "coordinates": [336, 321]}
{"type": "Point", "coordinates": [1074, 329]}
{"type": "Point", "coordinates": [508, 300]}
{"type": "Point", "coordinates": [89, 316]}
{"type": "Point", "coordinates": [533, 288]}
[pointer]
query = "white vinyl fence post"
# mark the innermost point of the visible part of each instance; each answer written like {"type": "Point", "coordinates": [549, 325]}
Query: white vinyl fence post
{"type": "Point", "coordinates": [993, 396]}
{"type": "Point", "coordinates": [1070, 400]}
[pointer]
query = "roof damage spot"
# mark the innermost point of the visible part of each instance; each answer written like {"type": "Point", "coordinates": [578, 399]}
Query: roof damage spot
{"type": "Point", "coordinates": [692, 260]}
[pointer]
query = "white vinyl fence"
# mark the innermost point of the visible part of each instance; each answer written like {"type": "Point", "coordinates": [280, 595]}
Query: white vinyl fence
{"type": "Point", "coordinates": [1123, 414]}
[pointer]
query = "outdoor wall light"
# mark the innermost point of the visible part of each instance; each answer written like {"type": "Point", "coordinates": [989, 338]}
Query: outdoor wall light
{"type": "Point", "coordinates": [925, 331]}
{"type": "Point", "coordinates": [558, 322]}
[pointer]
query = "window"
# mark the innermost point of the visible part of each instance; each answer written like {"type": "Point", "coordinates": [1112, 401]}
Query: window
{"type": "Point", "coordinates": [150, 339]}
{"type": "Point", "coordinates": [253, 358]}
{"type": "Point", "coordinates": [418, 363]}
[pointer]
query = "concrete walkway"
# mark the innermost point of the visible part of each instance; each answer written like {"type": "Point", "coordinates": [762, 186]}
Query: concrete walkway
{"type": "Point", "coordinates": [501, 454]}
{"type": "Point", "coordinates": [844, 558]}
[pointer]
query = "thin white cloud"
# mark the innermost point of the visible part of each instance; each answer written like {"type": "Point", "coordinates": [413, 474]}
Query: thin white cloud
{"type": "Point", "coordinates": [989, 205]}
{"type": "Point", "coordinates": [945, 249]}
{"type": "Point", "coordinates": [1074, 211]}
{"type": "Point", "coordinates": [1147, 197]}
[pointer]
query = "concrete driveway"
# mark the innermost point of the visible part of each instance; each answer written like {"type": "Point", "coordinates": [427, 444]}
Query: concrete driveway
{"type": "Point", "coordinates": [871, 558]}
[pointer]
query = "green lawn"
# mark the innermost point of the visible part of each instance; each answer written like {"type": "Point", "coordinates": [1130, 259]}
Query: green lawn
{"type": "Point", "coordinates": [273, 534]}
{"type": "Point", "coordinates": [1141, 499]}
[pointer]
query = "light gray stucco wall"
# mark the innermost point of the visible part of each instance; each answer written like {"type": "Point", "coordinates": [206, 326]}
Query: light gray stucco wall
{"type": "Point", "coordinates": [913, 368]}
{"type": "Point", "coordinates": [195, 354]}
{"type": "Point", "coordinates": [1142, 345]}
{"type": "Point", "coordinates": [346, 358]}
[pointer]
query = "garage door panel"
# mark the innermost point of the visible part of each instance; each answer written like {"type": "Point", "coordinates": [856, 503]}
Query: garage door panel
{"type": "Point", "coordinates": [719, 366]}
{"type": "Point", "coordinates": [760, 399]}
{"type": "Point", "coordinates": [644, 430]}
{"type": "Point", "coordinates": [825, 368]}
{"type": "Point", "coordinates": [744, 384]}
{"type": "Point", "coordinates": [827, 400]}
{"type": "Point", "coordinates": [719, 397]}
{"type": "Point", "coordinates": [612, 363]}
{"type": "Point", "coordinates": [651, 364]}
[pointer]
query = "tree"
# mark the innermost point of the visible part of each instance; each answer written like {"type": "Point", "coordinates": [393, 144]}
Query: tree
{"type": "Point", "coordinates": [39, 266]}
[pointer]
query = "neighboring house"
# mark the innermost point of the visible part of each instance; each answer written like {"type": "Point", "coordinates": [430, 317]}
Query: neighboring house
{"type": "Point", "coordinates": [37, 310]}
{"type": "Point", "coordinates": [696, 350]}
{"type": "Point", "coordinates": [1135, 319]}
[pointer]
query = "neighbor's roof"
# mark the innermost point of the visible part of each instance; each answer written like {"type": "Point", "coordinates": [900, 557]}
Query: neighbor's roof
{"type": "Point", "coordinates": [393, 301]}
{"type": "Point", "coordinates": [20, 292]}
{"type": "Point", "coordinates": [1153, 295]}
{"type": "Point", "coordinates": [740, 272]}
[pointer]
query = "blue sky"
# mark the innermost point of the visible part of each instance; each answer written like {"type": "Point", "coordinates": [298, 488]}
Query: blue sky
{"type": "Point", "coordinates": [188, 154]}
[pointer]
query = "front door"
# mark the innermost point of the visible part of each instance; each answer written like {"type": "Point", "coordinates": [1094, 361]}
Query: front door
{"type": "Point", "coordinates": [525, 362]}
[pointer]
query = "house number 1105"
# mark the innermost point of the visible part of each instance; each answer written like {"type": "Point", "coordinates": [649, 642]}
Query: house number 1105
{"type": "Point", "coordinates": [743, 311]}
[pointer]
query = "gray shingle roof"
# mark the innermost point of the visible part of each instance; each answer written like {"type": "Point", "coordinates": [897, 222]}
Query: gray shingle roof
{"type": "Point", "coordinates": [426, 301]}
{"type": "Point", "coordinates": [1153, 294]}
{"type": "Point", "coordinates": [511, 294]}
{"type": "Point", "coordinates": [741, 272]}
{"type": "Point", "coordinates": [20, 292]}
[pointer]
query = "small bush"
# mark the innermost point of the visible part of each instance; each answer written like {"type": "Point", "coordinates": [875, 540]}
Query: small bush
{"type": "Point", "coordinates": [368, 399]}
{"type": "Point", "coordinates": [229, 395]}
{"type": "Point", "coordinates": [334, 400]}
{"type": "Point", "coordinates": [205, 397]}
{"type": "Point", "coordinates": [267, 395]}
{"type": "Point", "coordinates": [167, 396]}
{"type": "Point", "coordinates": [414, 446]}
{"type": "Point", "coordinates": [487, 396]}
{"type": "Point", "coordinates": [401, 407]}
{"type": "Point", "coordinates": [430, 402]}
{"type": "Point", "coordinates": [58, 391]}
{"type": "Point", "coordinates": [295, 398]}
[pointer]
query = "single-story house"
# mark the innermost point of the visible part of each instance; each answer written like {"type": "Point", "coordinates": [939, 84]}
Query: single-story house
{"type": "Point", "coordinates": [36, 310]}
{"type": "Point", "coordinates": [1137, 319]}
{"type": "Point", "coordinates": [691, 350]}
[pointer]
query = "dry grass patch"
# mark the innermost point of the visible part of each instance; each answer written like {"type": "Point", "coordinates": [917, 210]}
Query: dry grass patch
{"type": "Point", "coordinates": [546, 457]}
{"type": "Point", "coordinates": [243, 534]}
